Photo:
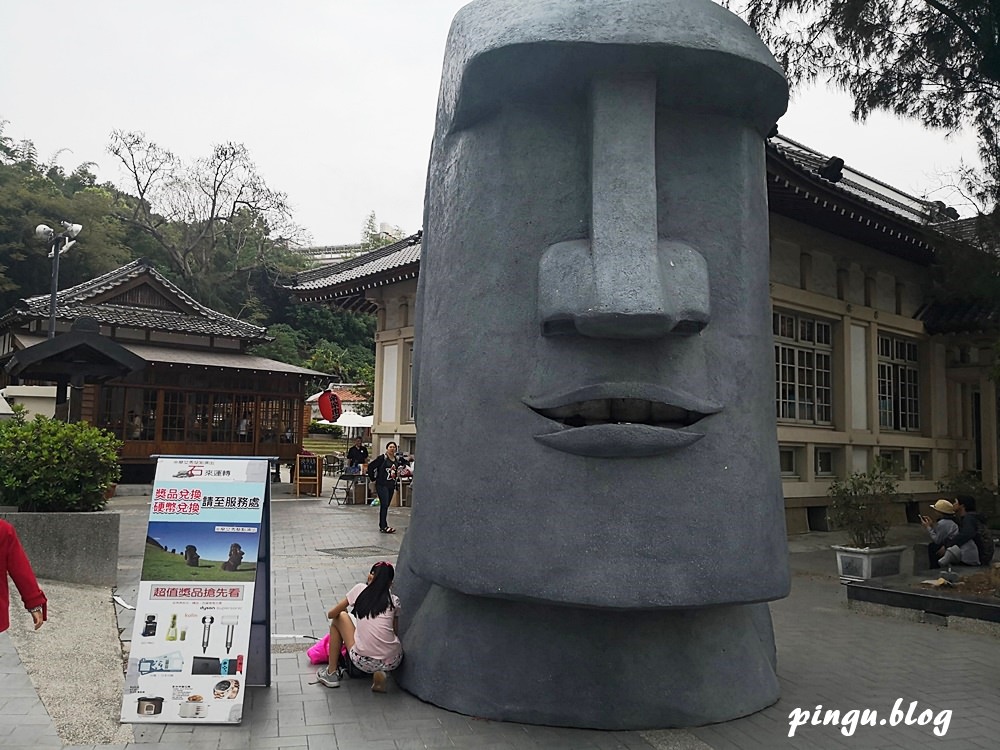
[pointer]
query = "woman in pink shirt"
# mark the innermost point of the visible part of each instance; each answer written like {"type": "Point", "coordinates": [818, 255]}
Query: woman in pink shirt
{"type": "Point", "coordinates": [373, 646]}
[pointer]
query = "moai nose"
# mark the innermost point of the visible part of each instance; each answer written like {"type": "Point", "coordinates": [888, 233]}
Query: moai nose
{"type": "Point", "coordinates": [624, 282]}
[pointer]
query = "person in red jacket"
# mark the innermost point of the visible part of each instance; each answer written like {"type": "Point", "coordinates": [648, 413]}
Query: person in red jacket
{"type": "Point", "coordinates": [14, 563]}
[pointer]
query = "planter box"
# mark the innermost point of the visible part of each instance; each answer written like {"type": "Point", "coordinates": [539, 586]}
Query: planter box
{"type": "Point", "coordinates": [70, 547]}
{"type": "Point", "coordinates": [930, 601]}
{"type": "Point", "coordinates": [855, 564]}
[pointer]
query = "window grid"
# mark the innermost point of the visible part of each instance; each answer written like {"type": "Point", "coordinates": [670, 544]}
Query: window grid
{"type": "Point", "coordinates": [898, 384]}
{"type": "Point", "coordinates": [173, 416]}
{"type": "Point", "coordinates": [131, 413]}
{"type": "Point", "coordinates": [803, 368]}
{"type": "Point", "coordinates": [786, 459]}
{"type": "Point", "coordinates": [823, 461]}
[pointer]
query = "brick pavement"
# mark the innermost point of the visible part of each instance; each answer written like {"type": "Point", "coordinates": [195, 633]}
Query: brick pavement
{"type": "Point", "coordinates": [827, 655]}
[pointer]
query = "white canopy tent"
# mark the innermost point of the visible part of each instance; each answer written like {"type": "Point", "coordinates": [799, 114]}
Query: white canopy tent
{"type": "Point", "coordinates": [351, 419]}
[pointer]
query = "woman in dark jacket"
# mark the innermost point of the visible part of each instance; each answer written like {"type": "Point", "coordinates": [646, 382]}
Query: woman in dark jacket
{"type": "Point", "coordinates": [384, 471]}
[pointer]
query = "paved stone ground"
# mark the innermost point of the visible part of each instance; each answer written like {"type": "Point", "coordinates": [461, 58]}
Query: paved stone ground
{"type": "Point", "coordinates": [828, 656]}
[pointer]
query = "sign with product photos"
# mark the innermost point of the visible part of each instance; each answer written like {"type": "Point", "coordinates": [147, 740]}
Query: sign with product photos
{"type": "Point", "coordinates": [204, 589]}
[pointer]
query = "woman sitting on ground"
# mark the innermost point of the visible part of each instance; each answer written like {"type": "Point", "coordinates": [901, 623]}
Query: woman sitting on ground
{"type": "Point", "coordinates": [942, 530]}
{"type": "Point", "coordinates": [373, 646]}
{"type": "Point", "coordinates": [961, 549]}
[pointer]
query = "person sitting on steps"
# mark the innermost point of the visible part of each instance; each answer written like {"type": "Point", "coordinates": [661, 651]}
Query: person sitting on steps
{"type": "Point", "coordinates": [971, 530]}
{"type": "Point", "coordinates": [942, 529]}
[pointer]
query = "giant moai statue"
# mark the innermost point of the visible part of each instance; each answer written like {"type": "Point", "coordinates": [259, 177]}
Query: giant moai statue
{"type": "Point", "coordinates": [598, 518]}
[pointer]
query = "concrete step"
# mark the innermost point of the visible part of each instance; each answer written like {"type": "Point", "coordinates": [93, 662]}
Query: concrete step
{"type": "Point", "coordinates": [128, 490]}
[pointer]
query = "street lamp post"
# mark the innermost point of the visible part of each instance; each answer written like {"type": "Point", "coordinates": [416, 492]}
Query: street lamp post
{"type": "Point", "coordinates": [58, 244]}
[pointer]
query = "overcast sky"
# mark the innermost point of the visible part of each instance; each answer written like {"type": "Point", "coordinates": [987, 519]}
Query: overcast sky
{"type": "Point", "coordinates": [334, 99]}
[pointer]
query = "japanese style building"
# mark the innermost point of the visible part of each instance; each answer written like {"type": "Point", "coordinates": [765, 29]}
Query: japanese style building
{"type": "Point", "coordinates": [194, 389]}
{"type": "Point", "coordinates": [866, 366]}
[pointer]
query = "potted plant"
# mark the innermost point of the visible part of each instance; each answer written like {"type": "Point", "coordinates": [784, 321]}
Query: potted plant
{"type": "Point", "coordinates": [861, 505]}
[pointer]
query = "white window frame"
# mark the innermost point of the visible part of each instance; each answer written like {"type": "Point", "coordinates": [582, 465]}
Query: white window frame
{"type": "Point", "coordinates": [816, 461]}
{"type": "Point", "coordinates": [803, 368]}
{"type": "Point", "coordinates": [898, 383]}
{"type": "Point", "coordinates": [791, 472]}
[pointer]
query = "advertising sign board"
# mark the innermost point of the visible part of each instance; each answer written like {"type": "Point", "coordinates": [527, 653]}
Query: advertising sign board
{"type": "Point", "coordinates": [204, 574]}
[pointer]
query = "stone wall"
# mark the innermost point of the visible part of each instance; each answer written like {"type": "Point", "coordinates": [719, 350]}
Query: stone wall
{"type": "Point", "coordinates": [70, 547]}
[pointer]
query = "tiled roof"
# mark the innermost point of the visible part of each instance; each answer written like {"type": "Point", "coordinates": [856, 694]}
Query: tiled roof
{"type": "Point", "coordinates": [197, 358]}
{"type": "Point", "coordinates": [856, 184]}
{"type": "Point", "coordinates": [825, 193]}
{"type": "Point", "coordinates": [981, 231]}
{"type": "Point", "coordinates": [83, 299]}
{"type": "Point", "coordinates": [908, 236]}
{"type": "Point", "coordinates": [361, 271]}
{"type": "Point", "coordinates": [346, 395]}
{"type": "Point", "coordinates": [855, 205]}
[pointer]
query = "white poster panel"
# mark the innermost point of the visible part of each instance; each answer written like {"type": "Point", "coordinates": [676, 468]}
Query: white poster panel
{"type": "Point", "coordinates": [190, 641]}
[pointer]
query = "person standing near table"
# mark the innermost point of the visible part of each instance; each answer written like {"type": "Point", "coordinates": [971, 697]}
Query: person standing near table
{"type": "Point", "coordinates": [16, 565]}
{"type": "Point", "coordinates": [357, 454]}
{"type": "Point", "coordinates": [384, 471]}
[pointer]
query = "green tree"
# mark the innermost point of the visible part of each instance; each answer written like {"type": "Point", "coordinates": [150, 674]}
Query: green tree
{"type": "Point", "coordinates": [318, 322]}
{"type": "Point", "coordinates": [33, 193]}
{"type": "Point", "coordinates": [287, 345]}
{"type": "Point", "coordinates": [365, 390]}
{"type": "Point", "coordinates": [935, 61]}
{"type": "Point", "coordinates": [337, 343]}
{"type": "Point", "coordinates": [373, 236]}
{"type": "Point", "coordinates": [329, 358]}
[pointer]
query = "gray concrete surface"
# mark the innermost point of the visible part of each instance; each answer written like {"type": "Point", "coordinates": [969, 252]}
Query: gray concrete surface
{"type": "Point", "coordinates": [70, 547]}
{"type": "Point", "coordinates": [827, 656]}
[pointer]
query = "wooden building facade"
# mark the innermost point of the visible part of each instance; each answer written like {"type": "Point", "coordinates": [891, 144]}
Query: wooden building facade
{"type": "Point", "coordinates": [200, 391]}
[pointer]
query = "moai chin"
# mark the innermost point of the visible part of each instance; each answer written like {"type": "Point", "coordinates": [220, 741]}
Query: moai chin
{"type": "Point", "coordinates": [598, 517]}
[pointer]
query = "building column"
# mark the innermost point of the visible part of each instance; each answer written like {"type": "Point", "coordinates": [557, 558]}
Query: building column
{"type": "Point", "coordinates": [988, 428]}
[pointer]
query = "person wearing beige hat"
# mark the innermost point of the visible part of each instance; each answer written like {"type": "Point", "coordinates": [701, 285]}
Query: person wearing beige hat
{"type": "Point", "coordinates": [942, 529]}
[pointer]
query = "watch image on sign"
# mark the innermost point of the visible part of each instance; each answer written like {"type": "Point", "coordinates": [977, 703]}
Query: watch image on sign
{"type": "Point", "coordinates": [196, 593]}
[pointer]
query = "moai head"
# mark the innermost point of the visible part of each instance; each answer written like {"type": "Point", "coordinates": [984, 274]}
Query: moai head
{"type": "Point", "coordinates": [595, 374]}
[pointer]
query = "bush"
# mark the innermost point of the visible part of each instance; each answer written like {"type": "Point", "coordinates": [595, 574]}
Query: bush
{"type": "Point", "coordinates": [969, 483]}
{"type": "Point", "coordinates": [50, 465]}
{"type": "Point", "coordinates": [861, 505]}
{"type": "Point", "coordinates": [315, 428]}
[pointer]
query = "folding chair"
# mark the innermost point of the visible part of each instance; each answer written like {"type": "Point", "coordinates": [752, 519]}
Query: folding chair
{"type": "Point", "coordinates": [343, 489]}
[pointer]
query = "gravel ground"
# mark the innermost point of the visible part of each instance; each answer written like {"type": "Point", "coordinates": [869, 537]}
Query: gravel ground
{"type": "Point", "coordinates": [75, 662]}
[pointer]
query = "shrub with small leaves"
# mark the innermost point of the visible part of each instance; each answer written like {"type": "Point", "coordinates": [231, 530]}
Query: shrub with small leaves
{"type": "Point", "coordinates": [315, 428]}
{"type": "Point", "coordinates": [861, 505]}
{"type": "Point", "coordinates": [50, 465]}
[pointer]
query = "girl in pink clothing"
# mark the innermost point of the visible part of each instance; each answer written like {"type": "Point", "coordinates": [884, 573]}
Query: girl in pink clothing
{"type": "Point", "coordinates": [373, 646]}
